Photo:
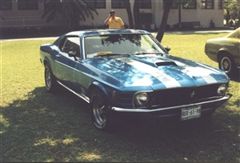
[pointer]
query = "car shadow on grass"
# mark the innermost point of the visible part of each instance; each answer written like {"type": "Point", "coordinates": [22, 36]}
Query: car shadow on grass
{"type": "Point", "coordinates": [236, 77]}
{"type": "Point", "coordinates": [57, 127]}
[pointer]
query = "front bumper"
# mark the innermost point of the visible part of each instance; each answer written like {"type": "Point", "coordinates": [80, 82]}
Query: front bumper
{"type": "Point", "coordinates": [206, 105]}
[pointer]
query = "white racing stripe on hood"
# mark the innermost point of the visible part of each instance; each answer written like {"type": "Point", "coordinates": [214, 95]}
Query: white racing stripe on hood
{"type": "Point", "coordinates": [200, 72]}
{"type": "Point", "coordinates": [166, 80]}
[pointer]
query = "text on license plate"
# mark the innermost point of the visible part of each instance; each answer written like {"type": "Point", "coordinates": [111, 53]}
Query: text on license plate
{"type": "Point", "coordinates": [190, 112]}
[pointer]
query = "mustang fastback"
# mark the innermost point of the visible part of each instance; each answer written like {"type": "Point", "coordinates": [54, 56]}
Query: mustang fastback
{"type": "Point", "coordinates": [226, 51]}
{"type": "Point", "coordinates": [129, 71]}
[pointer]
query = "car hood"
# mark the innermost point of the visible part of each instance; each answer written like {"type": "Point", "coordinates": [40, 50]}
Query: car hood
{"type": "Point", "coordinates": [224, 40]}
{"type": "Point", "coordinates": [153, 72]}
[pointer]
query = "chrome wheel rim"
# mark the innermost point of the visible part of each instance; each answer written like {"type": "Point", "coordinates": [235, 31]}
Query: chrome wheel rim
{"type": "Point", "coordinates": [48, 79]}
{"type": "Point", "coordinates": [225, 64]}
{"type": "Point", "coordinates": [99, 114]}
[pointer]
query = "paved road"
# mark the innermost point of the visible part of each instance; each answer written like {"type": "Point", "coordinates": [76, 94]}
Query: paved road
{"type": "Point", "coordinates": [171, 32]}
{"type": "Point", "coordinates": [35, 38]}
{"type": "Point", "coordinates": [202, 32]}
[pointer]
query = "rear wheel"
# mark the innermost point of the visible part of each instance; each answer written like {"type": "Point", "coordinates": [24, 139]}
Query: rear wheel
{"type": "Point", "coordinates": [227, 64]}
{"type": "Point", "coordinates": [50, 80]}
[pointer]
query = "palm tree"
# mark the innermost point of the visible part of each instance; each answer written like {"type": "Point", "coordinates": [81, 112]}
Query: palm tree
{"type": "Point", "coordinates": [70, 11]}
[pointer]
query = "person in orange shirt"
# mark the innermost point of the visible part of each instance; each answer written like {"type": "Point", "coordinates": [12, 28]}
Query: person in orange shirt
{"type": "Point", "coordinates": [113, 21]}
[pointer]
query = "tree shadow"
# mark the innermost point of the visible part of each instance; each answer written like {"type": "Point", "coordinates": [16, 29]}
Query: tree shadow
{"type": "Point", "coordinates": [236, 76]}
{"type": "Point", "coordinates": [57, 127]}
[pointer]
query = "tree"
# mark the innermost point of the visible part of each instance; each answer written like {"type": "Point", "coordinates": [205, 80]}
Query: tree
{"type": "Point", "coordinates": [186, 4]}
{"type": "Point", "coordinates": [167, 6]}
{"type": "Point", "coordinates": [166, 9]}
{"type": "Point", "coordinates": [129, 12]}
{"type": "Point", "coordinates": [70, 11]}
{"type": "Point", "coordinates": [232, 8]}
{"type": "Point", "coordinates": [136, 12]}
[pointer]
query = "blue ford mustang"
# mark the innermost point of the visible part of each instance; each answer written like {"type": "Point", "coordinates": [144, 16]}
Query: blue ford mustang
{"type": "Point", "coordinates": [128, 71]}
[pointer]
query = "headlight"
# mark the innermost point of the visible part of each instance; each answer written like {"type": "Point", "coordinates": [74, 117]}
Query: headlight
{"type": "Point", "coordinates": [222, 89]}
{"type": "Point", "coordinates": [141, 99]}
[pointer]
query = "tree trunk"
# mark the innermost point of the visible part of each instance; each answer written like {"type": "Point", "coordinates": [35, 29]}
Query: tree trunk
{"type": "Point", "coordinates": [136, 13]}
{"type": "Point", "coordinates": [180, 14]}
{"type": "Point", "coordinates": [227, 16]}
{"type": "Point", "coordinates": [129, 12]}
{"type": "Point", "coordinates": [162, 28]}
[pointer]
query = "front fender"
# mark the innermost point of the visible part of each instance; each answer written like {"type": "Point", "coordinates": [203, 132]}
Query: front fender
{"type": "Point", "coordinates": [99, 86]}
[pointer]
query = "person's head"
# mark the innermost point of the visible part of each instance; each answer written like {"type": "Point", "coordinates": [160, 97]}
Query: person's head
{"type": "Point", "coordinates": [112, 13]}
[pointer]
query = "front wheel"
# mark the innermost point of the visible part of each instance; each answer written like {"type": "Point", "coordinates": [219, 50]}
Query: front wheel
{"type": "Point", "coordinates": [99, 111]}
{"type": "Point", "coordinates": [227, 65]}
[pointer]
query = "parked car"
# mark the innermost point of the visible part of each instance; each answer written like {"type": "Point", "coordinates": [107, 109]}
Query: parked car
{"type": "Point", "coordinates": [226, 51]}
{"type": "Point", "coordinates": [128, 71]}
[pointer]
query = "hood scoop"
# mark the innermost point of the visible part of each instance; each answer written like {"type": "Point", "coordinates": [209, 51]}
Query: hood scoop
{"type": "Point", "coordinates": [165, 63]}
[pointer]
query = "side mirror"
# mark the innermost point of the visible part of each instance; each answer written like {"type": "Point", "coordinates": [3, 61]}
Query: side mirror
{"type": "Point", "coordinates": [167, 49]}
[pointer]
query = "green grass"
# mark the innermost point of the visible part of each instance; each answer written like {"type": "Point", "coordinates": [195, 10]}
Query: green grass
{"type": "Point", "coordinates": [38, 126]}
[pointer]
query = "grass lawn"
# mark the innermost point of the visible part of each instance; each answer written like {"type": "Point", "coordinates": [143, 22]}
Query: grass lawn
{"type": "Point", "coordinates": [38, 126]}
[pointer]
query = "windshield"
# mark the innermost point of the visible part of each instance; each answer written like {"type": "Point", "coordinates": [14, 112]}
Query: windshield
{"type": "Point", "coordinates": [235, 34]}
{"type": "Point", "coordinates": [117, 44]}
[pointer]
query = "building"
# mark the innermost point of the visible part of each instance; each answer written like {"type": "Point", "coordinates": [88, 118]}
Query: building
{"type": "Point", "coordinates": [28, 13]}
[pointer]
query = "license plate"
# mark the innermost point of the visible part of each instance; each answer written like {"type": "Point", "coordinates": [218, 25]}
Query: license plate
{"type": "Point", "coordinates": [190, 112]}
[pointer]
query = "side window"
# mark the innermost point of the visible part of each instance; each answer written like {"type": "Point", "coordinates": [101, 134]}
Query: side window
{"type": "Point", "coordinates": [71, 46]}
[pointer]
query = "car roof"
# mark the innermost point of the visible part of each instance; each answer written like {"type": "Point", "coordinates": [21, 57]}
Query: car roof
{"type": "Point", "coordinates": [90, 32]}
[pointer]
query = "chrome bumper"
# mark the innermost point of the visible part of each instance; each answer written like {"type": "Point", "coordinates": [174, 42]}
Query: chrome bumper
{"type": "Point", "coordinates": [117, 109]}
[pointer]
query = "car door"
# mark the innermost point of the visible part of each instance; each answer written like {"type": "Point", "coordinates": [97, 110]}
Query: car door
{"type": "Point", "coordinates": [65, 62]}
{"type": "Point", "coordinates": [82, 74]}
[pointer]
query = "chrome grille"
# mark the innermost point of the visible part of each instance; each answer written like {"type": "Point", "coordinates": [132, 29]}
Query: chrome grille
{"type": "Point", "coordinates": [180, 96]}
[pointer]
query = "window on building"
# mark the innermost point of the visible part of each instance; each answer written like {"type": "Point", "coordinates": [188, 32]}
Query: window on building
{"type": "Point", "coordinates": [97, 3]}
{"type": "Point", "coordinates": [221, 3]}
{"type": "Point", "coordinates": [174, 4]}
{"type": "Point", "coordinates": [5, 4]}
{"type": "Point", "coordinates": [208, 4]}
{"type": "Point", "coordinates": [27, 4]}
{"type": "Point", "coordinates": [118, 4]}
{"type": "Point", "coordinates": [145, 4]}
{"type": "Point", "coordinates": [190, 4]}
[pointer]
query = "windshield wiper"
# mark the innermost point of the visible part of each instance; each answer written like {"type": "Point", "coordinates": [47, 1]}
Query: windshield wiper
{"type": "Point", "coordinates": [143, 53]}
{"type": "Point", "coordinates": [102, 54]}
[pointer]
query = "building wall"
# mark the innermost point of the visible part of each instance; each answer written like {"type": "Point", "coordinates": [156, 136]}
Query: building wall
{"type": "Point", "coordinates": [29, 18]}
{"type": "Point", "coordinates": [24, 18]}
{"type": "Point", "coordinates": [204, 16]}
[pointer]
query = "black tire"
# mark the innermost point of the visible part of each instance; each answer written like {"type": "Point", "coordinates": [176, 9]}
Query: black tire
{"type": "Point", "coordinates": [100, 113]}
{"type": "Point", "coordinates": [226, 63]}
{"type": "Point", "coordinates": [50, 80]}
